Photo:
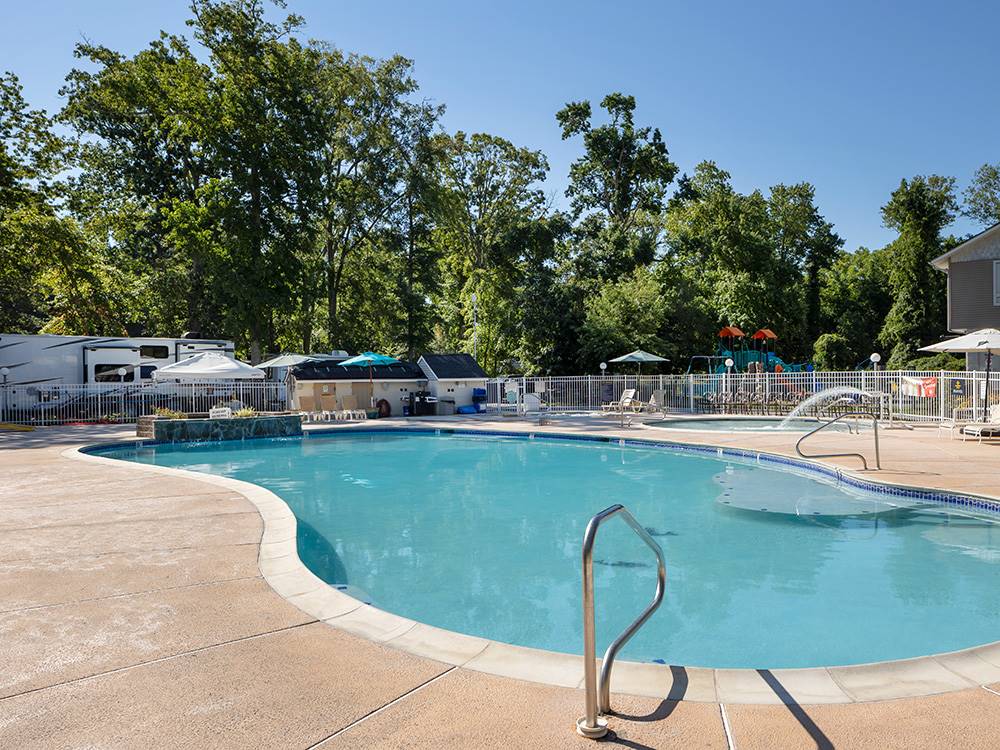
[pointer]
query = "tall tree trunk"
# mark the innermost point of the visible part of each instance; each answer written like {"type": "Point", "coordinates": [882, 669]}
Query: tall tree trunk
{"type": "Point", "coordinates": [306, 309]}
{"type": "Point", "coordinates": [335, 273]}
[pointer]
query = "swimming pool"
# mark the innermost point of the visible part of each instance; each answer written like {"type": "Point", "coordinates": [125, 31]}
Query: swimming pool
{"type": "Point", "coordinates": [743, 424]}
{"type": "Point", "coordinates": [766, 567]}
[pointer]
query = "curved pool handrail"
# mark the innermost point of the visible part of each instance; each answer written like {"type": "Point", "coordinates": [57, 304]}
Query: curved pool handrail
{"type": "Point", "coordinates": [598, 691]}
{"type": "Point", "coordinates": [824, 425]}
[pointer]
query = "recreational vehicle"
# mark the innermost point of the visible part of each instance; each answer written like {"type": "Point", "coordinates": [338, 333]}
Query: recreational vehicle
{"type": "Point", "coordinates": [70, 360]}
{"type": "Point", "coordinates": [49, 379]}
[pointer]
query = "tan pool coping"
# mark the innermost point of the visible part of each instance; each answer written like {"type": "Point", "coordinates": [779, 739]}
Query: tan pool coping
{"type": "Point", "coordinates": [288, 576]}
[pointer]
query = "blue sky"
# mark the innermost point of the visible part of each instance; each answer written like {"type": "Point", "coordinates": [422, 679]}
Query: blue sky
{"type": "Point", "coordinates": [851, 96]}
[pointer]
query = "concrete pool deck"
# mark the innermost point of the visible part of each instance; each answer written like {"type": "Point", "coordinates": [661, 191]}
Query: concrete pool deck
{"type": "Point", "coordinates": [133, 612]}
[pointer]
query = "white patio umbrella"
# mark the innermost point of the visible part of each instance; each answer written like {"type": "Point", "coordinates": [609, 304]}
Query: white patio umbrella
{"type": "Point", "coordinates": [287, 360]}
{"type": "Point", "coordinates": [208, 366]}
{"type": "Point", "coordinates": [985, 340]}
{"type": "Point", "coordinates": [639, 356]}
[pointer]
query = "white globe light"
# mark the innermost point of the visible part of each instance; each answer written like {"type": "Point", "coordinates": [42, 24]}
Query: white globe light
{"type": "Point", "coordinates": [122, 371]}
{"type": "Point", "coordinates": [729, 363]}
{"type": "Point", "coordinates": [604, 365]}
{"type": "Point", "coordinates": [876, 357]}
{"type": "Point", "coordinates": [4, 371]}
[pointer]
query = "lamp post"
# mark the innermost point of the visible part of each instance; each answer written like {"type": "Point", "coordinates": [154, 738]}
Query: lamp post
{"type": "Point", "coordinates": [121, 379]}
{"type": "Point", "coordinates": [875, 359]}
{"type": "Point", "coordinates": [475, 327]}
{"type": "Point", "coordinates": [4, 372]}
{"type": "Point", "coordinates": [729, 369]}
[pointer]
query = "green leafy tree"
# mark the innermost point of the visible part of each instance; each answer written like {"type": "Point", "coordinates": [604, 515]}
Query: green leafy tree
{"type": "Point", "coordinates": [625, 170]}
{"type": "Point", "coordinates": [55, 275]}
{"type": "Point", "coordinates": [263, 129]}
{"type": "Point", "coordinates": [805, 244]}
{"type": "Point", "coordinates": [833, 352]}
{"type": "Point", "coordinates": [490, 192]}
{"type": "Point", "coordinates": [626, 314]}
{"type": "Point", "coordinates": [147, 176]}
{"type": "Point", "coordinates": [982, 197]}
{"type": "Point", "coordinates": [919, 209]}
{"type": "Point", "coordinates": [368, 121]}
{"type": "Point", "coordinates": [757, 259]}
{"type": "Point", "coordinates": [855, 298]}
{"type": "Point", "coordinates": [26, 146]}
{"type": "Point", "coordinates": [617, 188]}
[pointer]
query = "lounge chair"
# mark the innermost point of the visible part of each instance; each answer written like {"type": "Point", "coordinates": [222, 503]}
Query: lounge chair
{"type": "Point", "coordinates": [327, 407]}
{"type": "Point", "coordinates": [307, 408]}
{"type": "Point", "coordinates": [349, 409]}
{"type": "Point", "coordinates": [988, 429]}
{"type": "Point", "coordinates": [655, 403]}
{"type": "Point", "coordinates": [623, 403]}
{"type": "Point", "coordinates": [959, 419]}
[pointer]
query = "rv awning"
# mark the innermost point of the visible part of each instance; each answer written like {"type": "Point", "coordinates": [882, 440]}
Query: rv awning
{"type": "Point", "coordinates": [208, 366]}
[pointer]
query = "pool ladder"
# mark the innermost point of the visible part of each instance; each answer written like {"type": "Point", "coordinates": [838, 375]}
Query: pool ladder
{"type": "Point", "coordinates": [598, 691]}
{"type": "Point", "coordinates": [824, 425]}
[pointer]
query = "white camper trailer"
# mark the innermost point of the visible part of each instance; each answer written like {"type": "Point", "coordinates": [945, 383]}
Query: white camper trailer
{"type": "Point", "coordinates": [56, 379]}
{"type": "Point", "coordinates": [75, 360]}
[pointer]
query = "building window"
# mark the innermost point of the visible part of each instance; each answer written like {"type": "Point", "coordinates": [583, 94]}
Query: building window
{"type": "Point", "coordinates": [996, 283]}
{"type": "Point", "coordinates": [109, 373]}
{"type": "Point", "coordinates": [146, 372]}
{"type": "Point", "coordinates": [151, 351]}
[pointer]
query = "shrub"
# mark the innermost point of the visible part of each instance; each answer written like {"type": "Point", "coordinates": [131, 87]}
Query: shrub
{"type": "Point", "coordinates": [162, 411]}
{"type": "Point", "coordinates": [941, 361]}
{"type": "Point", "coordinates": [246, 411]}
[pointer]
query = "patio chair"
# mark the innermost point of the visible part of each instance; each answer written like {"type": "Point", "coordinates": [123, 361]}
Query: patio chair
{"type": "Point", "coordinates": [307, 408]}
{"type": "Point", "coordinates": [655, 403]}
{"type": "Point", "coordinates": [327, 407]}
{"type": "Point", "coordinates": [960, 418]}
{"type": "Point", "coordinates": [349, 409]}
{"type": "Point", "coordinates": [623, 403]}
{"type": "Point", "coordinates": [988, 429]}
{"type": "Point", "coordinates": [705, 403]}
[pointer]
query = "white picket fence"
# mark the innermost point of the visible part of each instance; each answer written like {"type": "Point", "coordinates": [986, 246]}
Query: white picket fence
{"type": "Point", "coordinates": [906, 395]}
{"type": "Point", "coordinates": [48, 404]}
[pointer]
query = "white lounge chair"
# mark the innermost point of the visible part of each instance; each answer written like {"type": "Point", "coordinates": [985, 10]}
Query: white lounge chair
{"type": "Point", "coordinates": [623, 403]}
{"type": "Point", "coordinates": [960, 417]}
{"type": "Point", "coordinates": [988, 429]}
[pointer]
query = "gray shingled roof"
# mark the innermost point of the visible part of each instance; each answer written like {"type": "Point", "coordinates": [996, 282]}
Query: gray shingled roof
{"type": "Point", "coordinates": [454, 366]}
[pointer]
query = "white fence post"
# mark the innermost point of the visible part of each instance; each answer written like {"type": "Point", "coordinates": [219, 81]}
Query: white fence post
{"type": "Point", "coordinates": [941, 395]}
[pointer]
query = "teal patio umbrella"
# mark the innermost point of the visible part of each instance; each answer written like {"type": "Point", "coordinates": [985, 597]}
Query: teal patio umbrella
{"type": "Point", "coordinates": [639, 356]}
{"type": "Point", "coordinates": [370, 359]}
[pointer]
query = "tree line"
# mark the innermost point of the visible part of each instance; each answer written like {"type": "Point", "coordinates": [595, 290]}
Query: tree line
{"type": "Point", "coordinates": [248, 184]}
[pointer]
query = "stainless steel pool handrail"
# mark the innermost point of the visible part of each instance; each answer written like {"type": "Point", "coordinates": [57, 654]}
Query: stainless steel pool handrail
{"type": "Point", "coordinates": [823, 416]}
{"type": "Point", "coordinates": [824, 425]}
{"type": "Point", "coordinates": [598, 692]}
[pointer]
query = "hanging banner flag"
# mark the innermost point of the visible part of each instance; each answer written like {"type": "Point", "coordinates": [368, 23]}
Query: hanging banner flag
{"type": "Point", "coordinates": [919, 387]}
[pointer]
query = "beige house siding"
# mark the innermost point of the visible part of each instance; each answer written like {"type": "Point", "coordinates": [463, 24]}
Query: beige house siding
{"type": "Point", "coordinates": [971, 296]}
{"type": "Point", "coordinates": [330, 395]}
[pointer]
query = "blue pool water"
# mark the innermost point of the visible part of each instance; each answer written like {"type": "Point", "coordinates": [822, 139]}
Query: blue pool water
{"type": "Point", "coordinates": [766, 567]}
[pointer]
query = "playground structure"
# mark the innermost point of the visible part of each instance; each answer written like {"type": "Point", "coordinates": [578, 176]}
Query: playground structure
{"type": "Point", "coordinates": [753, 353]}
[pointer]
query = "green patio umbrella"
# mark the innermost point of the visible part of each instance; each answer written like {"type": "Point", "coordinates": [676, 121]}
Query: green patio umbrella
{"type": "Point", "coordinates": [370, 359]}
{"type": "Point", "coordinates": [639, 356]}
